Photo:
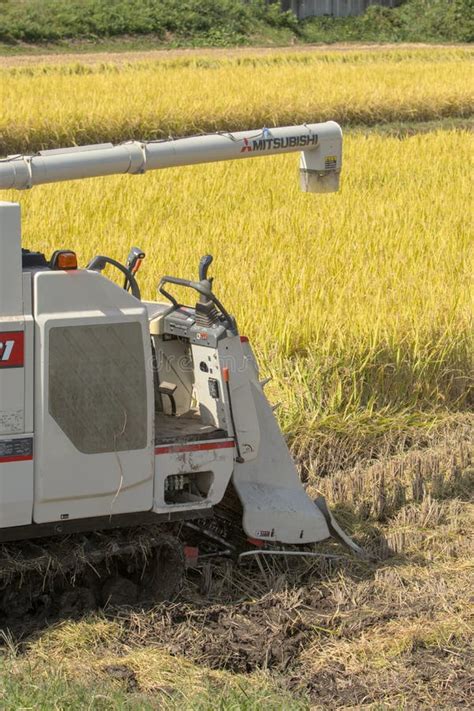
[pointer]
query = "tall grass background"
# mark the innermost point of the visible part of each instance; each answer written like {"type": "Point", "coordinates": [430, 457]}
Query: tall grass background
{"type": "Point", "coordinates": [358, 303]}
{"type": "Point", "coordinates": [64, 104]}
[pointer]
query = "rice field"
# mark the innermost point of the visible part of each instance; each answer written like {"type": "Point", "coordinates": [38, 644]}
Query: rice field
{"type": "Point", "coordinates": [62, 104]}
{"type": "Point", "coordinates": [358, 304]}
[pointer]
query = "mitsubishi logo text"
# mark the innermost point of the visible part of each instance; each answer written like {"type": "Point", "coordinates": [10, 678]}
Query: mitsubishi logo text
{"type": "Point", "coordinates": [270, 144]}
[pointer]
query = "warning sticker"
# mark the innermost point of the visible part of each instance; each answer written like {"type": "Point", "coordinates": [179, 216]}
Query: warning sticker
{"type": "Point", "coordinates": [16, 450]}
{"type": "Point", "coordinates": [11, 421]}
{"type": "Point", "coordinates": [330, 162]}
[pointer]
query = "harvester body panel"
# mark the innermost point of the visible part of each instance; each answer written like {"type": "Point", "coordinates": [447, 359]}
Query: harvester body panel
{"type": "Point", "coordinates": [93, 398]}
{"type": "Point", "coordinates": [16, 376]}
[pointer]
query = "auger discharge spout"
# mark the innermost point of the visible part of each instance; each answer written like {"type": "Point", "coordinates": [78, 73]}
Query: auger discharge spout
{"type": "Point", "coordinates": [320, 145]}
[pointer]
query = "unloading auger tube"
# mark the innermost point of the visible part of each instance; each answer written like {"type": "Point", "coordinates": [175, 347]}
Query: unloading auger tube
{"type": "Point", "coordinates": [320, 163]}
{"type": "Point", "coordinates": [91, 436]}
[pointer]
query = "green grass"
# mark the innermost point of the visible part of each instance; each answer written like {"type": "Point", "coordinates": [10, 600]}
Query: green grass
{"type": "Point", "coordinates": [413, 21]}
{"type": "Point", "coordinates": [212, 22]}
{"type": "Point", "coordinates": [227, 22]}
{"type": "Point", "coordinates": [30, 683]}
{"type": "Point", "coordinates": [28, 689]}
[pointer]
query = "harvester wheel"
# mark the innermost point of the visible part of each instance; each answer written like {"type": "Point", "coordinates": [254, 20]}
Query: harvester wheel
{"type": "Point", "coordinates": [118, 591]}
{"type": "Point", "coordinates": [77, 601]}
{"type": "Point", "coordinates": [163, 576]}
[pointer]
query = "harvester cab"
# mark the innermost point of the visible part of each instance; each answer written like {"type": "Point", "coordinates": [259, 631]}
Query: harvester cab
{"type": "Point", "coordinates": [117, 412]}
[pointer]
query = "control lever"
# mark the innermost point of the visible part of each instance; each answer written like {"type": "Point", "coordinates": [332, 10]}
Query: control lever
{"type": "Point", "coordinates": [133, 264]}
{"type": "Point", "coordinates": [205, 310]}
{"type": "Point", "coordinates": [204, 265]}
{"type": "Point", "coordinates": [204, 290]}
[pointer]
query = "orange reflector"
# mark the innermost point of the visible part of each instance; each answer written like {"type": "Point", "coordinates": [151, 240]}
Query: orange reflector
{"type": "Point", "coordinates": [66, 260]}
{"type": "Point", "coordinates": [225, 374]}
{"type": "Point", "coordinates": [256, 542]}
{"type": "Point", "coordinates": [137, 266]}
{"type": "Point", "coordinates": [244, 339]}
{"type": "Point", "coordinates": [191, 556]}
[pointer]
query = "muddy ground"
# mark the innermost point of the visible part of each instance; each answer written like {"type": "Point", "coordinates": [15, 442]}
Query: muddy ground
{"type": "Point", "coordinates": [394, 631]}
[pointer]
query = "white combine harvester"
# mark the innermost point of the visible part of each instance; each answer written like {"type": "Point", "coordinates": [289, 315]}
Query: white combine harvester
{"type": "Point", "coordinates": [129, 427]}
